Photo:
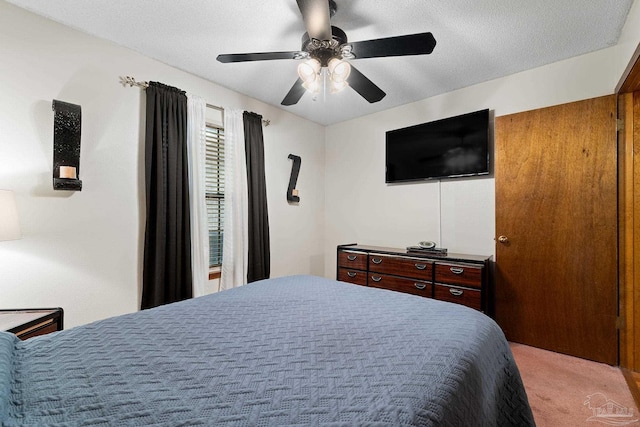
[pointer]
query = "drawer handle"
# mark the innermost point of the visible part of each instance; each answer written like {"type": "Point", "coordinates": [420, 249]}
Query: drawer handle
{"type": "Point", "coordinates": [376, 261]}
{"type": "Point", "coordinates": [420, 285]}
{"type": "Point", "coordinates": [421, 266]}
{"type": "Point", "coordinates": [352, 257]}
{"type": "Point", "coordinates": [351, 274]}
{"type": "Point", "coordinates": [376, 278]}
{"type": "Point", "coordinates": [457, 270]}
{"type": "Point", "coordinates": [456, 292]}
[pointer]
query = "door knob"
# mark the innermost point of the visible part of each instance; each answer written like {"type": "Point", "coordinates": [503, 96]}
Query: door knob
{"type": "Point", "coordinates": [503, 239]}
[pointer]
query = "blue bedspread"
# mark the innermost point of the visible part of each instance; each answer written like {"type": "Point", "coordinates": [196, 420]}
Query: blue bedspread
{"type": "Point", "coordinates": [292, 351]}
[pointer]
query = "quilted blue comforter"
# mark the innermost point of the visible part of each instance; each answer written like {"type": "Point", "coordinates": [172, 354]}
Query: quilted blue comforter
{"type": "Point", "coordinates": [292, 351]}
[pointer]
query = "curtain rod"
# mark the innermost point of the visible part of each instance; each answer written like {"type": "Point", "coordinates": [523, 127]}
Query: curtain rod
{"type": "Point", "coordinates": [127, 80]}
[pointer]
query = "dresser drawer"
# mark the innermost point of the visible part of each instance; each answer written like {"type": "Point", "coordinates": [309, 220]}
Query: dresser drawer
{"type": "Point", "coordinates": [469, 297]}
{"type": "Point", "coordinates": [401, 266]}
{"type": "Point", "coordinates": [352, 260]}
{"type": "Point", "coordinates": [352, 276]}
{"type": "Point", "coordinates": [459, 274]}
{"type": "Point", "coordinates": [401, 284]}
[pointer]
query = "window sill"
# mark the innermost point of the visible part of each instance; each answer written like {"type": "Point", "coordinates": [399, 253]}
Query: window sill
{"type": "Point", "coordinates": [214, 273]}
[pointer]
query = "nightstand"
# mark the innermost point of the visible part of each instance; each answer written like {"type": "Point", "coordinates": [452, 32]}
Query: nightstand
{"type": "Point", "coordinates": [28, 323]}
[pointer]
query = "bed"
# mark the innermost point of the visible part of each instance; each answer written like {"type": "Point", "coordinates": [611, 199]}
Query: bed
{"type": "Point", "coordinates": [291, 351]}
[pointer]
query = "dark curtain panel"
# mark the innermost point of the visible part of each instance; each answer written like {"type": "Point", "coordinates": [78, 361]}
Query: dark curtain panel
{"type": "Point", "coordinates": [167, 245]}
{"type": "Point", "coordinates": [259, 259]}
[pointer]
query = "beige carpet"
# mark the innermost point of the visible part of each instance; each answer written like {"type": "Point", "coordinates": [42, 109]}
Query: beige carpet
{"type": "Point", "coordinates": [568, 391]}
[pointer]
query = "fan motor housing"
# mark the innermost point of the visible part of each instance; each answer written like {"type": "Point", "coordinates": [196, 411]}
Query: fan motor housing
{"type": "Point", "coordinates": [324, 50]}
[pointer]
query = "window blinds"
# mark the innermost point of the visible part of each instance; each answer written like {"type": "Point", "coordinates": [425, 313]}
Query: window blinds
{"type": "Point", "coordinates": [214, 182]}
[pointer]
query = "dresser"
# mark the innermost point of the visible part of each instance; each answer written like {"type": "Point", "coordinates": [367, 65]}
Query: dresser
{"type": "Point", "coordinates": [458, 278]}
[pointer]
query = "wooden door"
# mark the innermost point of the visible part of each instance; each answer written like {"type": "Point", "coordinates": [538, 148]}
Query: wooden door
{"type": "Point", "coordinates": [629, 227]}
{"type": "Point", "coordinates": [556, 226]}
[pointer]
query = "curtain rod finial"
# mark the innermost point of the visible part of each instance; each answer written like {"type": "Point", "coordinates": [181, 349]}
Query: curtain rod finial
{"type": "Point", "coordinates": [128, 80]}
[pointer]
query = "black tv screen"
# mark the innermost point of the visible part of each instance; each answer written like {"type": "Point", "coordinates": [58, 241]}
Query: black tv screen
{"type": "Point", "coordinates": [452, 147]}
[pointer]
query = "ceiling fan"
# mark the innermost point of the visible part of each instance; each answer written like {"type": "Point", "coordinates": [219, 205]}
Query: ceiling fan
{"type": "Point", "coordinates": [326, 46]}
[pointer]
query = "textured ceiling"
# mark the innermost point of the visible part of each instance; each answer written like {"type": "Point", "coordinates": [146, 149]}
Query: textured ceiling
{"type": "Point", "coordinates": [477, 40]}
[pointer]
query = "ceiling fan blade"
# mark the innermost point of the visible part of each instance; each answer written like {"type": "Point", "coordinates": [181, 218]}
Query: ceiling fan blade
{"type": "Point", "coordinates": [295, 93]}
{"type": "Point", "coordinates": [316, 16]}
{"type": "Point", "coordinates": [261, 56]}
{"type": "Point", "coordinates": [412, 44]}
{"type": "Point", "coordinates": [365, 87]}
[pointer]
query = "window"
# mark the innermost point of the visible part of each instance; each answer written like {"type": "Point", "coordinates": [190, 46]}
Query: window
{"type": "Point", "coordinates": [214, 183]}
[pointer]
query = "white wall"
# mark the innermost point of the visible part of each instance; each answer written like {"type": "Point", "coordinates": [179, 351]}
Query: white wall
{"type": "Point", "coordinates": [83, 250]}
{"type": "Point", "coordinates": [459, 214]}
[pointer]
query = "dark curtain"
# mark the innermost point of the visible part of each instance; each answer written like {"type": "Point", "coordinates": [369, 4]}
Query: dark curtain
{"type": "Point", "coordinates": [259, 259]}
{"type": "Point", "coordinates": [167, 242]}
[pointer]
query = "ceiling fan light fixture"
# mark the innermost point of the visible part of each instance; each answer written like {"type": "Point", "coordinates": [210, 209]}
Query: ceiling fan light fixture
{"type": "Point", "coordinates": [309, 70]}
{"type": "Point", "coordinates": [339, 70]}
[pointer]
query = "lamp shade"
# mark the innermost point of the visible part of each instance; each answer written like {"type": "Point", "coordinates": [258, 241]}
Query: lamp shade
{"type": "Point", "coordinates": [9, 225]}
{"type": "Point", "coordinates": [339, 70]}
{"type": "Point", "coordinates": [308, 70]}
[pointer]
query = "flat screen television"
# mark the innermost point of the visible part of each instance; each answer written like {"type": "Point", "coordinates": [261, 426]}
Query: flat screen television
{"type": "Point", "coordinates": [448, 148]}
